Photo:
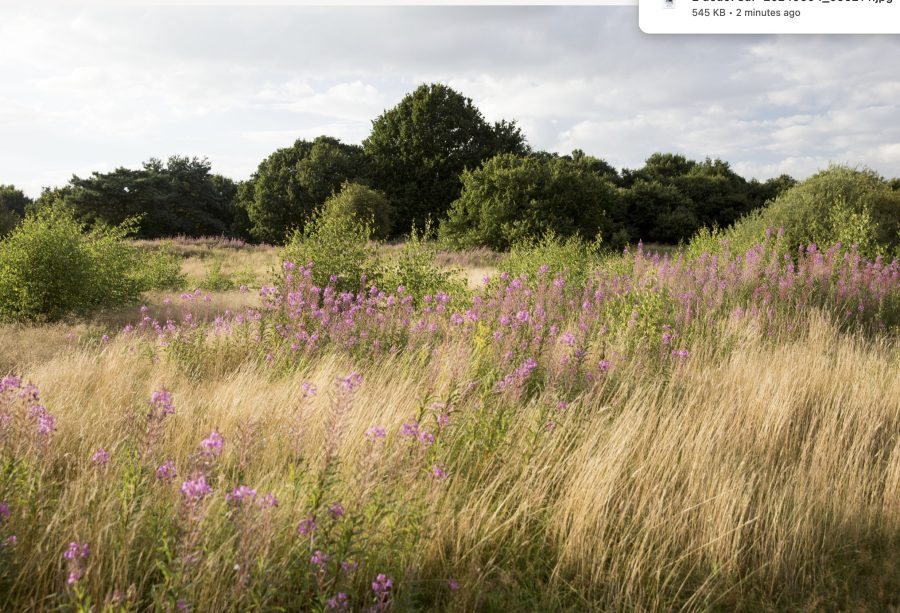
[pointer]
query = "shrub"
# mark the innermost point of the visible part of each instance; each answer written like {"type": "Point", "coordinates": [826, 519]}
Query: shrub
{"type": "Point", "coordinates": [572, 258]}
{"type": "Point", "coordinates": [336, 243]}
{"type": "Point", "coordinates": [367, 204]}
{"type": "Point", "coordinates": [417, 271]}
{"type": "Point", "coordinates": [216, 280]}
{"type": "Point", "coordinates": [161, 269]}
{"type": "Point", "coordinates": [51, 265]}
{"type": "Point", "coordinates": [840, 204]}
{"type": "Point", "coordinates": [518, 198]}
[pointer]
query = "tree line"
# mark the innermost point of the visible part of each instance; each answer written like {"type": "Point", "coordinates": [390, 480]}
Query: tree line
{"type": "Point", "coordinates": [431, 157]}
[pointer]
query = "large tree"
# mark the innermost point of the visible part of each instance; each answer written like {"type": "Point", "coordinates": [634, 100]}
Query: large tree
{"type": "Point", "coordinates": [419, 148]}
{"type": "Point", "coordinates": [180, 196]}
{"type": "Point", "coordinates": [293, 182]}
{"type": "Point", "coordinates": [13, 203]}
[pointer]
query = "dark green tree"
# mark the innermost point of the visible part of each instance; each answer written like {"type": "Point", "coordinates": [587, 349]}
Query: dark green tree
{"type": "Point", "coordinates": [419, 148]}
{"type": "Point", "coordinates": [294, 181]}
{"type": "Point", "coordinates": [513, 198]}
{"type": "Point", "coordinates": [659, 212]}
{"type": "Point", "coordinates": [13, 203]}
{"type": "Point", "coordinates": [365, 204]}
{"type": "Point", "coordinates": [180, 196]}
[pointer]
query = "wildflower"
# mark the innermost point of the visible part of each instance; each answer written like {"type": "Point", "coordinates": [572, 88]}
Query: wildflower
{"type": "Point", "coordinates": [350, 382]}
{"type": "Point", "coordinates": [453, 584]}
{"type": "Point", "coordinates": [308, 390]}
{"type": "Point", "coordinates": [375, 432]}
{"type": "Point", "coordinates": [100, 457]}
{"type": "Point", "coordinates": [4, 512]}
{"type": "Point", "coordinates": [194, 490]}
{"type": "Point", "coordinates": [161, 403]}
{"type": "Point", "coordinates": [77, 551]}
{"type": "Point", "coordinates": [241, 494]}
{"type": "Point", "coordinates": [307, 526]}
{"type": "Point", "coordinates": [522, 316]}
{"type": "Point", "coordinates": [382, 587]}
{"type": "Point", "coordinates": [349, 567]}
{"type": "Point", "coordinates": [11, 541]}
{"type": "Point", "coordinates": [339, 602]}
{"type": "Point", "coordinates": [410, 429]}
{"type": "Point", "coordinates": [562, 405]}
{"type": "Point", "coordinates": [104, 339]}
{"type": "Point", "coordinates": [212, 445]}
{"type": "Point", "coordinates": [680, 353]}
{"type": "Point", "coordinates": [543, 269]}
{"type": "Point", "coordinates": [443, 420]}
{"type": "Point", "coordinates": [438, 472]}
{"type": "Point", "coordinates": [456, 319]}
{"type": "Point", "coordinates": [166, 472]}
{"type": "Point", "coordinates": [319, 559]}
{"type": "Point", "coordinates": [268, 501]}
{"type": "Point", "coordinates": [336, 510]}
{"type": "Point", "coordinates": [603, 366]}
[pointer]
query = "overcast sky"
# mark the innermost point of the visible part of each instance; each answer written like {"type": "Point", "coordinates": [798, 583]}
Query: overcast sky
{"type": "Point", "coordinates": [96, 88]}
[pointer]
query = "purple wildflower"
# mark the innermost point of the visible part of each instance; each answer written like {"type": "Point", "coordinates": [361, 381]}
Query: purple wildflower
{"type": "Point", "coordinates": [336, 510]}
{"type": "Point", "coordinates": [194, 490]}
{"type": "Point", "coordinates": [307, 526]}
{"type": "Point", "coordinates": [319, 559]}
{"type": "Point", "coordinates": [339, 602]}
{"type": "Point", "coordinates": [100, 457]}
{"type": "Point", "coordinates": [166, 471]}
{"type": "Point", "coordinates": [241, 494]}
{"type": "Point", "coordinates": [212, 445]}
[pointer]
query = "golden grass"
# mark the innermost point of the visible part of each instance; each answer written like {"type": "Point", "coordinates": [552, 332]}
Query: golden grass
{"type": "Point", "coordinates": [763, 478]}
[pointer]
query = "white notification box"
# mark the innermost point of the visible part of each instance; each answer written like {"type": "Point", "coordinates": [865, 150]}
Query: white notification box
{"type": "Point", "coordinates": [770, 17]}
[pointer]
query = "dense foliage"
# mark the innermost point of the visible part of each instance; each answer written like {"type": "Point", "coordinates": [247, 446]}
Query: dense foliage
{"type": "Point", "coordinates": [179, 197]}
{"type": "Point", "coordinates": [838, 205]}
{"type": "Point", "coordinates": [366, 204]}
{"type": "Point", "coordinates": [512, 198]}
{"type": "Point", "coordinates": [52, 266]}
{"type": "Point", "coordinates": [419, 148]}
{"type": "Point", "coordinates": [671, 197]}
{"type": "Point", "coordinates": [335, 245]}
{"type": "Point", "coordinates": [13, 203]}
{"type": "Point", "coordinates": [292, 183]}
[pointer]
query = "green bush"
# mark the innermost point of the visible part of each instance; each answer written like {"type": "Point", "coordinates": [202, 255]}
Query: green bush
{"type": "Point", "coordinates": [518, 198]}
{"type": "Point", "coordinates": [366, 204]}
{"type": "Point", "coordinates": [840, 204]}
{"type": "Point", "coordinates": [52, 265]}
{"type": "Point", "coordinates": [216, 280]}
{"type": "Point", "coordinates": [415, 268]}
{"type": "Point", "coordinates": [571, 257]}
{"type": "Point", "coordinates": [336, 243]}
{"type": "Point", "coordinates": [160, 269]}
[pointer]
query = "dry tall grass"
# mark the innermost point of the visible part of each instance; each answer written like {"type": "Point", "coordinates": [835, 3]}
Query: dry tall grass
{"type": "Point", "coordinates": [767, 477]}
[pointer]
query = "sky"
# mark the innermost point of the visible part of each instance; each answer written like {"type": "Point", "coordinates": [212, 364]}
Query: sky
{"type": "Point", "coordinates": [95, 88]}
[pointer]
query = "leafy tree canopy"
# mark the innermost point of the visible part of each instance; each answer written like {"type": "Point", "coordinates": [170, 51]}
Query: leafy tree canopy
{"type": "Point", "coordinates": [293, 182]}
{"type": "Point", "coordinates": [514, 198]}
{"type": "Point", "coordinates": [180, 196]}
{"type": "Point", "coordinates": [420, 147]}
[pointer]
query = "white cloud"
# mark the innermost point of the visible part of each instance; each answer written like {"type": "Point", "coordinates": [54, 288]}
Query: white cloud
{"type": "Point", "coordinates": [94, 88]}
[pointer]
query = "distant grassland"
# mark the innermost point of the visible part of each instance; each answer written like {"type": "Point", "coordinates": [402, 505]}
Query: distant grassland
{"type": "Point", "coordinates": [674, 435]}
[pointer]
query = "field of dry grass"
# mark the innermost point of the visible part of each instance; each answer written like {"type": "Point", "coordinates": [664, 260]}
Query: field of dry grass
{"type": "Point", "coordinates": [762, 473]}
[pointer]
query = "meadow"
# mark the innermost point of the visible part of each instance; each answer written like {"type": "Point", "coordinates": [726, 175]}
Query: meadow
{"type": "Point", "coordinates": [628, 431]}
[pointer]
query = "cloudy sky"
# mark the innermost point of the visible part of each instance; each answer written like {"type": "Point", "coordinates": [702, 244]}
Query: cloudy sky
{"type": "Point", "coordinates": [96, 88]}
